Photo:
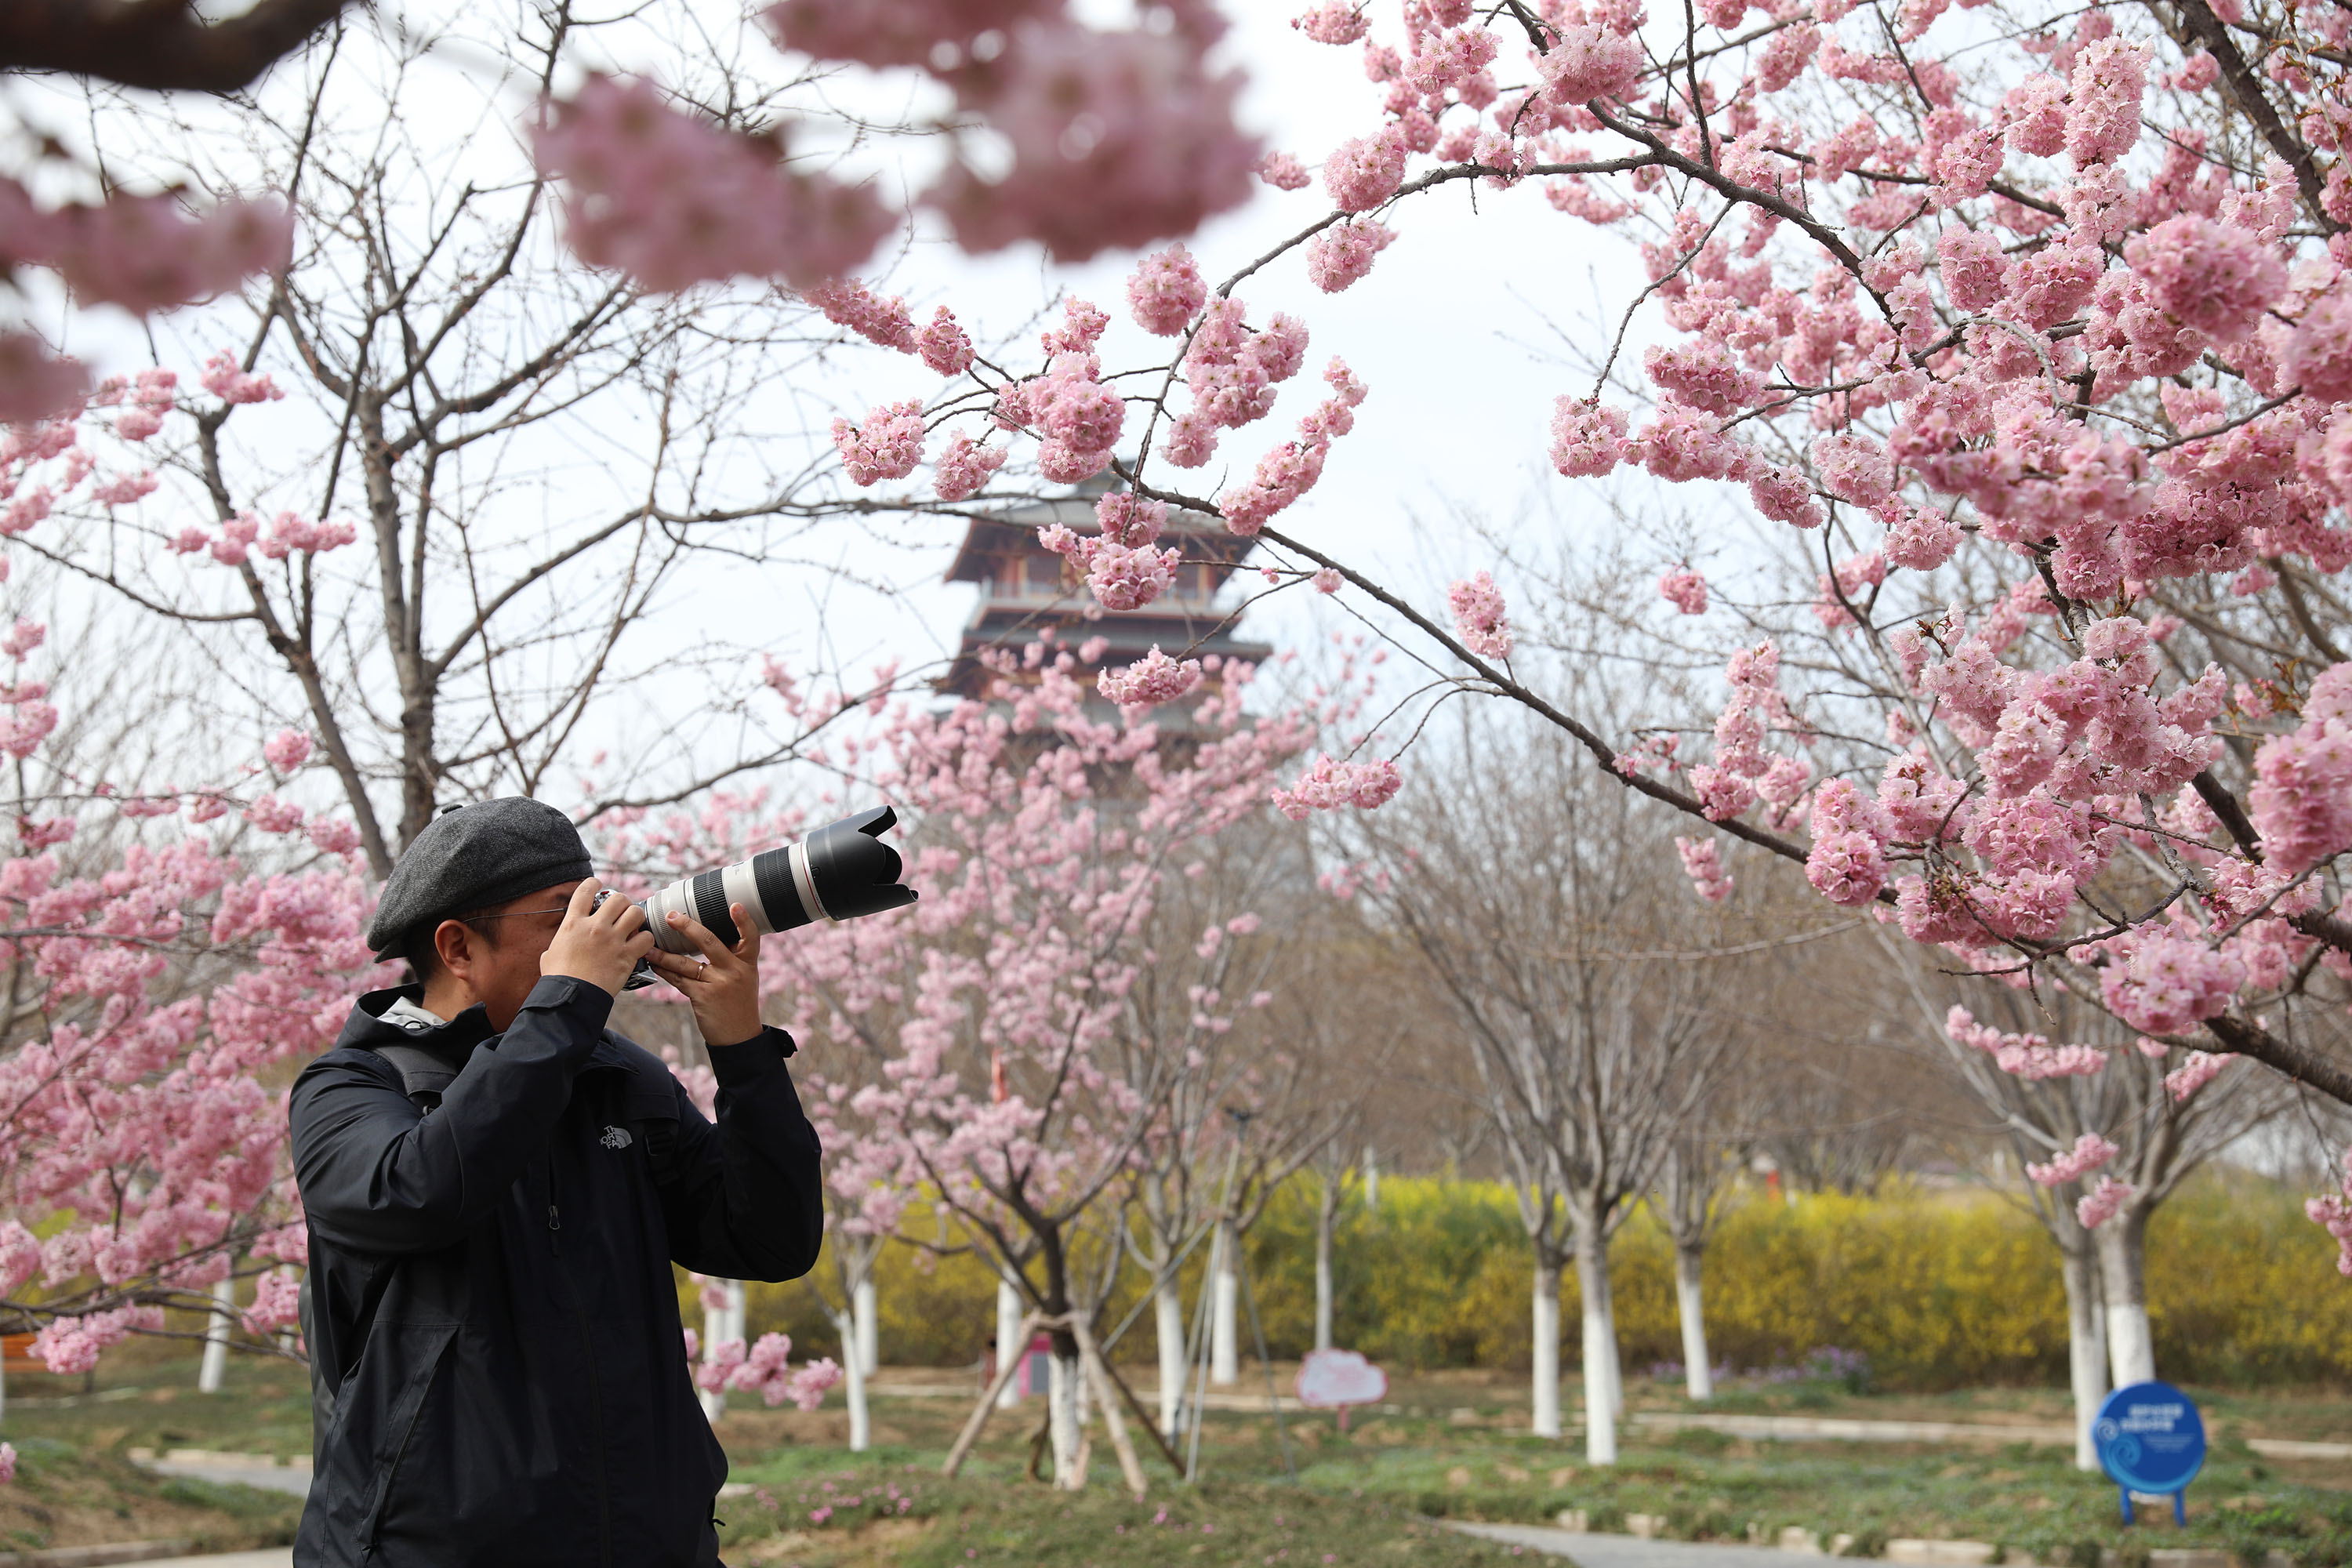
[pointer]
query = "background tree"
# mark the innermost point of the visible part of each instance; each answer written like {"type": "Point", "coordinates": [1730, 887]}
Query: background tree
{"type": "Point", "coordinates": [1592, 1056]}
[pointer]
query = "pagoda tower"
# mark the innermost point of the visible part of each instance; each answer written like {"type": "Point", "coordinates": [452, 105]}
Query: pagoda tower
{"type": "Point", "coordinates": [1026, 590]}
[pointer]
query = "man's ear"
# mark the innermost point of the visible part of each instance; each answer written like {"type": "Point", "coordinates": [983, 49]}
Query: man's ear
{"type": "Point", "coordinates": [459, 947]}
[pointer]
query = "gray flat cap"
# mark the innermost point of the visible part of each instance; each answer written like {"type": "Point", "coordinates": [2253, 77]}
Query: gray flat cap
{"type": "Point", "coordinates": [472, 857]}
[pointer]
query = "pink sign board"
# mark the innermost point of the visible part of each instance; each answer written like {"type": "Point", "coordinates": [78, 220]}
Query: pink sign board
{"type": "Point", "coordinates": [1338, 1379]}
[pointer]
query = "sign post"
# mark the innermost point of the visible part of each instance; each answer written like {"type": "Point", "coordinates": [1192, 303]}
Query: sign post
{"type": "Point", "coordinates": [1334, 1380]}
{"type": "Point", "coordinates": [2150, 1441]}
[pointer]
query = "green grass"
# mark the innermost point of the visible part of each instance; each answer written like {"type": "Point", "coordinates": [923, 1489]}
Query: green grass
{"type": "Point", "coordinates": [1455, 1447]}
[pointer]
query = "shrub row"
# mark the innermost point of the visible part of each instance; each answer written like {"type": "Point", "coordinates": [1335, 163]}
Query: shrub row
{"type": "Point", "coordinates": [1938, 1288]}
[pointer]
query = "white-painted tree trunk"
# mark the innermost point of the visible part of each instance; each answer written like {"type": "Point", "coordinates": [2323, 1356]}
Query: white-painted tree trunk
{"type": "Point", "coordinates": [1008, 1336]}
{"type": "Point", "coordinates": [869, 1327]}
{"type": "Point", "coordinates": [216, 1330]}
{"type": "Point", "coordinates": [719, 1324]}
{"type": "Point", "coordinates": [853, 1383]}
{"type": "Point", "coordinates": [2123, 1260]}
{"type": "Point", "coordinates": [1062, 1422]}
{"type": "Point", "coordinates": [1371, 1179]}
{"type": "Point", "coordinates": [1601, 1392]}
{"type": "Point", "coordinates": [1690, 1303]}
{"type": "Point", "coordinates": [1323, 1218]}
{"type": "Point", "coordinates": [1225, 1333]}
{"type": "Point", "coordinates": [1610, 1366]}
{"type": "Point", "coordinates": [2086, 1349]}
{"type": "Point", "coordinates": [1544, 1394]}
{"type": "Point", "coordinates": [1167, 1325]}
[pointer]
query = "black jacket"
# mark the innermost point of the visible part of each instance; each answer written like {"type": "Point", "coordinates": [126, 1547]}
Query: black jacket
{"type": "Point", "coordinates": [498, 1371]}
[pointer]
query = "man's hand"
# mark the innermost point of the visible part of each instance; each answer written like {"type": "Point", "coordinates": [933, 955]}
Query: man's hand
{"type": "Point", "coordinates": [724, 991]}
{"type": "Point", "coordinates": [600, 946]}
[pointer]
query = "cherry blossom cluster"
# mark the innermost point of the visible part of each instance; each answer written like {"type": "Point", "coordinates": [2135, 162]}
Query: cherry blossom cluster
{"type": "Point", "coordinates": [1150, 681]}
{"type": "Point", "coordinates": [2334, 1211]}
{"type": "Point", "coordinates": [143, 253]}
{"type": "Point", "coordinates": [1105, 138]}
{"type": "Point", "coordinates": [2030, 1056]}
{"type": "Point", "coordinates": [2094, 1208]}
{"type": "Point", "coordinates": [1479, 617]}
{"type": "Point", "coordinates": [765, 1369]}
{"type": "Point", "coordinates": [2090, 1152]}
{"type": "Point", "coordinates": [1328, 783]}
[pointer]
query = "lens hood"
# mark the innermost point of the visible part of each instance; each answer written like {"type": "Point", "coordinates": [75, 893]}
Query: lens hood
{"type": "Point", "coordinates": [852, 871]}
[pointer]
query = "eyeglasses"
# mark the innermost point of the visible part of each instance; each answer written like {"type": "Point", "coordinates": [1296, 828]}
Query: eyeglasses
{"type": "Point", "coordinates": [470, 919]}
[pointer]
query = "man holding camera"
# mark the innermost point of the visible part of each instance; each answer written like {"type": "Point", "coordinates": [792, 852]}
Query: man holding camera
{"type": "Point", "coordinates": [497, 1186]}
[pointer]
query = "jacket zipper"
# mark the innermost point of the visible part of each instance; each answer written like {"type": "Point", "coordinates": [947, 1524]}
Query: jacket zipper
{"type": "Point", "coordinates": [588, 1355]}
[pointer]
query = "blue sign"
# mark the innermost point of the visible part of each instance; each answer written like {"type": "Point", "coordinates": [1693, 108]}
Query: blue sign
{"type": "Point", "coordinates": [2149, 1440]}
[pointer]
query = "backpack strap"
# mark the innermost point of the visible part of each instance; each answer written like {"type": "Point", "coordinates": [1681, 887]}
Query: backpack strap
{"type": "Point", "coordinates": [423, 1075]}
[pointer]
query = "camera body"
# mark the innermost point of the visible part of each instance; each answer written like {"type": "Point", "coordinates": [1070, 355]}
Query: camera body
{"type": "Point", "coordinates": [839, 872]}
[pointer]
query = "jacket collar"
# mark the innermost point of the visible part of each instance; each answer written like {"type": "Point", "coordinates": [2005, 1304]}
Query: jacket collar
{"type": "Point", "coordinates": [454, 1042]}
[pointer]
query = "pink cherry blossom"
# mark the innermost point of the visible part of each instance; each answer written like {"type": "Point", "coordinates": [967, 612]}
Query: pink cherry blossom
{"type": "Point", "coordinates": [883, 33]}
{"type": "Point", "coordinates": [2029, 1057]}
{"type": "Point", "coordinates": [1363, 173]}
{"type": "Point", "coordinates": [1165, 291]}
{"type": "Point", "coordinates": [2334, 1212]}
{"type": "Point", "coordinates": [2201, 1069]}
{"type": "Point", "coordinates": [1282, 171]}
{"type": "Point", "coordinates": [2164, 983]}
{"type": "Point", "coordinates": [143, 254]}
{"type": "Point", "coordinates": [1703, 863]}
{"type": "Point", "coordinates": [2103, 112]}
{"type": "Point", "coordinates": [1479, 617]}
{"type": "Point", "coordinates": [888, 446]}
{"type": "Point", "coordinates": [1685, 590]}
{"type": "Point", "coordinates": [2320, 355]}
{"type": "Point", "coordinates": [2090, 1152]}
{"type": "Point", "coordinates": [1342, 254]}
{"type": "Point", "coordinates": [2216, 278]}
{"type": "Point", "coordinates": [1588, 438]}
{"type": "Point", "coordinates": [673, 200]}
{"type": "Point", "coordinates": [226, 379]}
{"type": "Point", "coordinates": [287, 750]}
{"type": "Point", "coordinates": [2098, 1207]}
{"type": "Point", "coordinates": [1332, 22]}
{"type": "Point", "coordinates": [1590, 62]}
{"type": "Point", "coordinates": [1150, 680]}
{"type": "Point", "coordinates": [1117, 139]}
{"type": "Point", "coordinates": [962, 470]}
{"type": "Point", "coordinates": [1328, 783]}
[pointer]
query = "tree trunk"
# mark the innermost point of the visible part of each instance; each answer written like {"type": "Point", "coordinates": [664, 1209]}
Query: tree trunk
{"type": "Point", "coordinates": [853, 1382]}
{"type": "Point", "coordinates": [215, 1362]}
{"type": "Point", "coordinates": [1600, 1395]}
{"type": "Point", "coordinates": [2123, 1262]}
{"type": "Point", "coordinates": [1690, 1302]}
{"type": "Point", "coordinates": [869, 1329]}
{"type": "Point", "coordinates": [1168, 1326]}
{"type": "Point", "coordinates": [1545, 1390]}
{"type": "Point", "coordinates": [2086, 1347]}
{"type": "Point", "coordinates": [1371, 1179]}
{"type": "Point", "coordinates": [1327, 1214]}
{"type": "Point", "coordinates": [1009, 1348]}
{"type": "Point", "coordinates": [1224, 1336]}
{"type": "Point", "coordinates": [720, 1324]}
{"type": "Point", "coordinates": [1062, 1414]}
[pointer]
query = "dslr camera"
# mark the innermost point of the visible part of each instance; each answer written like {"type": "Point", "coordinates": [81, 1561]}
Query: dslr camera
{"type": "Point", "coordinates": [839, 872]}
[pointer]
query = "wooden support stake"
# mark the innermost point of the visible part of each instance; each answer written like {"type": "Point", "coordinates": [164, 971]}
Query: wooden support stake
{"type": "Point", "coordinates": [979, 1418]}
{"type": "Point", "coordinates": [1091, 1358]}
{"type": "Point", "coordinates": [1144, 1418]}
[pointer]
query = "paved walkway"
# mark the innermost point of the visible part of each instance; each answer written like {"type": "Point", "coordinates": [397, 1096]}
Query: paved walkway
{"type": "Point", "coordinates": [224, 1469]}
{"type": "Point", "coordinates": [1626, 1551]}
{"type": "Point", "coordinates": [268, 1557]}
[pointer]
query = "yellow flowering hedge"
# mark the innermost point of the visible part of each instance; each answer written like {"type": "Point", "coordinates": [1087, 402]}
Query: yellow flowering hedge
{"type": "Point", "coordinates": [1940, 1289]}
